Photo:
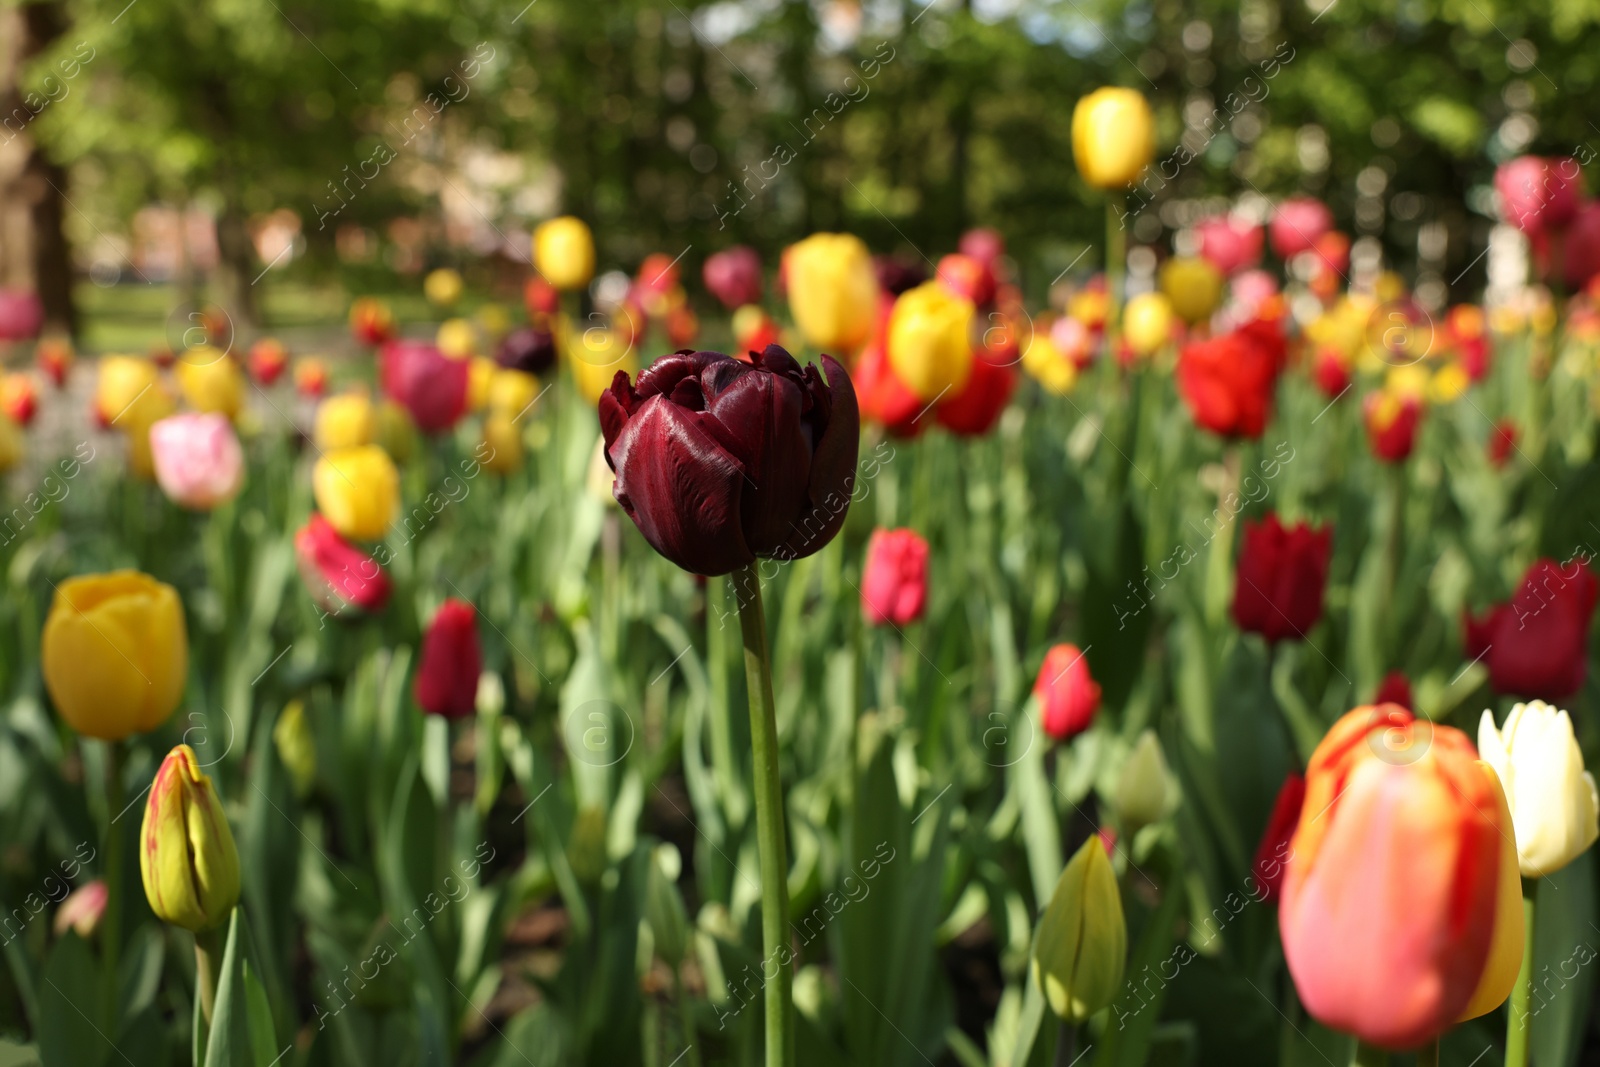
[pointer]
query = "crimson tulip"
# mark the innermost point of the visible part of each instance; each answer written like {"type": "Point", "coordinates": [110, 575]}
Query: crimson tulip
{"type": "Point", "coordinates": [1392, 420]}
{"type": "Point", "coordinates": [531, 349]}
{"type": "Point", "coordinates": [1583, 247]}
{"type": "Point", "coordinates": [1297, 224]}
{"type": "Point", "coordinates": [1400, 912]}
{"type": "Point", "coordinates": [1394, 689]}
{"type": "Point", "coordinates": [719, 461]}
{"type": "Point", "coordinates": [974, 411]}
{"type": "Point", "coordinates": [1537, 194]}
{"type": "Point", "coordinates": [1229, 244]}
{"type": "Point", "coordinates": [1502, 441]}
{"type": "Point", "coordinates": [882, 397]}
{"type": "Point", "coordinates": [896, 275]}
{"type": "Point", "coordinates": [733, 276]}
{"type": "Point", "coordinates": [267, 360]}
{"type": "Point", "coordinates": [1282, 572]}
{"type": "Point", "coordinates": [1272, 854]}
{"type": "Point", "coordinates": [451, 661]}
{"type": "Point", "coordinates": [1228, 381]}
{"type": "Point", "coordinates": [894, 583]}
{"type": "Point", "coordinates": [426, 382]}
{"type": "Point", "coordinates": [1331, 372]}
{"type": "Point", "coordinates": [1536, 645]}
{"type": "Point", "coordinates": [21, 314]}
{"type": "Point", "coordinates": [1068, 694]}
{"type": "Point", "coordinates": [968, 278]}
{"type": "Point", "coordinates": [339, 576]}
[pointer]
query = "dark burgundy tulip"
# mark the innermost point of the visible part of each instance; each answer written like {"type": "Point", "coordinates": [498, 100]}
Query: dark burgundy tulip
{"type": "Point", "coordinates": [733, 276]}
{"type": "Point", "coordinates": [719, 461]}
{"type": "Point", "coordinates": [447, 673]}
{"type": "Point", "coordinates": [529, 349]}
{"type": "Point", "coordinates": [896, 275]}
{"type": "Point", "coordinates": [1536, 645]}
{"type": "Point", "coordinates": [426, 382]}
{"type": "Point", "coordinates": [1282, 572]}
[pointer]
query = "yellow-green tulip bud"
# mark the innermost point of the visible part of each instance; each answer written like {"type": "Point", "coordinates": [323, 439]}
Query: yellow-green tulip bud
{"type": "Point", "coordinates": [186, 853]}
{"type": "Point", "coordinates": [1554, 806]}
{"type": "Point", "coordinates": [1193, 285]}
{"type": "Point", "coordinates": [357, 490]}
{"type": "Point", "coordinates": [1081, 947]}
{"type": "Point", "coordinates": [114, 653]}
{"type": "Point", "coordinates": [1143, 789]}
{"type": "Point", "coordinates": [297, 750]}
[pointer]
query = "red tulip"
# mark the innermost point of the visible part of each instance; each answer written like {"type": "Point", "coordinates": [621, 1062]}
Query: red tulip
{"type": "Point", "coordinates": [974, 411]}
{"type": "Point", "coordinates": [18, 397]}
{"type": "Point", "coordinates": [267, 360]}
{"type": "Point", "coordinates": [426, 382]}
{"type": "Point", "coordinates": [1392, 421]}
{"type": "Point", "coordinates": [1536, 645]}
{"type": "Point", "coordinates": [1272, 854]}
{"type": "Point", "coordinates": [1537, 194]}
{"type": "Point", "coordinates": [968, 278]}
{"type": "Point", "coordinates": [1390, 909]}
{"type": "Point", "coordinates": [371, 321]}
{"type": "Point", "coordinates": [1228, 381]}
{"type": "Point", "coordinates": [1333, 250]}
{"type": "Point", "coordinates": [541, 298]}
{"type": "Point", "coordinates": [733, 276]}
{"type": "Point", "coordinates": [1281, 576]}
{"type": "Point", "coordinates": [1229, 244]}
{"type": "Point", "coordinates": [1583, 247]}
{"type": "Point", "coordinates": [451, 661]}
{"type": "Point", "coordinates": [54, 356]}
{"type": "Point", "coordinates": [21, 314]}
{"type": "Point", "coordinates": [883, 398]}
{"type": "Point", "coordinates": [530, 349]}
{"type": "Point", "coordinates": [1394, 689]}
{"type": "Point", "coordinates": [682, 326]}
{"type": "Point", "coordinates": [719, 462]}
{"type": "Point", "coordinates": [894, 583]}
{"type": "Point", "coordinates": [1297, 224]}
{"type": "Point", "coordinates": [1068, 694]}
{"type": "Point", "coordinates": [338, 575]}
{"type": "Point", "coordinates": [1502, 441]}
{"type": "Point", "coordinates": [1331, 372]}
{"type": "Point", "coordinates": [657, 277]}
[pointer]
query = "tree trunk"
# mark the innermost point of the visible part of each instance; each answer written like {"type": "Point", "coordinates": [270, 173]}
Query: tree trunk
{"type": "Point", "coordinates": [236, 260]}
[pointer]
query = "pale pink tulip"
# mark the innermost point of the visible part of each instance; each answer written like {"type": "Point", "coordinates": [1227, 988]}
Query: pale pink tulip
{"type": "Point", "coordinates": [198, 461]}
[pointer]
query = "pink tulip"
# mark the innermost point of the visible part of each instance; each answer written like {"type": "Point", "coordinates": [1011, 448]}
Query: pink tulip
{"type": "Point", "coordinates": [1250, 289]}
{"type": "Point", "coordinates": [197, 458]}
{"type": "Point", "coordinates": [1297, 224]}
{"type": "Point", "coordinates": [894, 585]}
{"type": "Point", "coordinates": [82, 909]}
{"type": "Point", "coordinates": [733, 276]}
{"type": "Point", "coordinates": [983, 244]}
{"type": "Point", "coordinates": [1537, 194]}
{"type": "Point", "coordinates": [21, 315]}
{"type": "Point", "coordinates": [1229, 244]}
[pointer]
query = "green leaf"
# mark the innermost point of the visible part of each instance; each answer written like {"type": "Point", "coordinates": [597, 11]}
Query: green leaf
{"type": "Point", "coordinates": [72, 1010]}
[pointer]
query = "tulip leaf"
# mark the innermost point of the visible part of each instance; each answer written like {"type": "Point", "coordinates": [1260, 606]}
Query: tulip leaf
{"type": "Point", "coordinates": [1565, 945]}
{"type": "Point", "coordinates": [1029, 1022]}
{"type": "Point", "coordinates": [228, 1041]}
{"type": "Point", "coordinates": [73, 1019]}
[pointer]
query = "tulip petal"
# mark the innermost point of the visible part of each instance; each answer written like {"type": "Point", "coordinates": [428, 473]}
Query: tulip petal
{"type": "Point", "coordinates": [833, 467]}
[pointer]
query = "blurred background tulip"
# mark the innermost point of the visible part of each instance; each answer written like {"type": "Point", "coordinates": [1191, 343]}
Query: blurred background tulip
{"type": "Point", "coordinates": [563, 251]}
{"type": "Point", "coordinates": [210, 381]}
{"type": "Point", "coordinates": [929, 344]}
{"type": "Point", "coordinates": [1147, 323]}
{"type": "Point", "coordinates": [198, 461]}
{"type": "Point", "coordinates": [1193, 285]}
{"type": "Point", "coordinates": [1536, 644]}
{"type": "Point", "coordinates": [1067, 693]}
{"type": "Point", "coordinates": [371, 321]}
{"type": "Point", "coordinates": [1297, 224]}
{"type": "Point", "coordinates": [833, 292]}
{"type": "Point", "coordinates": [1113, 137]}
{"type": "Point", "coordinates": [733, 276]}
{"type": "Point", "coordinates": [338, 575]}
{"type": "Point", "coordinates": [345, 421]}
{"type": "Point", "coordinates": [114, 653]}
{"type": "Point", "coordinates": [443, 287]}
{"type": "Point", "coordinates": [358, 490]}
{"type": "Point", "coordinates": [894, 582]}
{"type": "Point", "coordinates": [430, 385]}
{"type": "Point", "coordinates": [450, 662]}
{"type": "Point", "coordinates": [1281, 576]}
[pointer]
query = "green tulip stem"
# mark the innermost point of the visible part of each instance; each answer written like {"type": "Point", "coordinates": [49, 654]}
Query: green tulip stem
{"type": "Point", "coordinates": [1366, 1055]}
{"type": "Point", "coordinates": [208, 949]}
{"type": "Point", "coordinates": [1066, 1044]}
{"type": "Point", "coordinates": [111, 921]}
{"type": "Point", "coordinates": [1393, 549]}
{"type": "Point", "coordinates": [1116, 267]}
{"type": "Point", "coordinates": [1517, 1028]}
{"type": "Point", "coordinates": [1428, 1055]}
{"type": "Point", "coordinates": [769, 818]}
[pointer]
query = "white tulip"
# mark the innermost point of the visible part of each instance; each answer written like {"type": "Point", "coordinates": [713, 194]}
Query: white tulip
{"type": "Point", "coordinates": [1554, 806]}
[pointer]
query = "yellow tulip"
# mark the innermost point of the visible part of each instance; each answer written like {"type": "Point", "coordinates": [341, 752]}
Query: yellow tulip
{"type": "Point", "coordinates": [11, 444]}
{"type": "Point", "coordinates": [345, 421]}
{"type": "Point", "coordinates": [1449, 383]}
{"type": "Point", "coordinates": [512, 392]}
{"type": "Point", "coordinates": [126, 387]}
{"type": "Point", "coordinates": [442, 286]}
{"type": "Point", "coordinates": [1506, 943]}
{"type": "Point", "coordinates": [357, 490]}
{"type": "Point", "coordinates": [114, 653]}
{"type": "Point", "coordinates": [187, 858]}
{"type": "Point", "coordinates": [210, 380]}
{"type": "Point", "coordinates": [1113, 137]}
{"type": "Point", "coordinates": [930, 347]}
{"type": "Point", "coordinates": [833, 292]}
{"type": "Point", "coordinates": [1081, 946]}
{"type": "Point", "coordinates": [503, 434]}
{"type": "Point", "coordinates": [457, 339]}
{"type": "Point", "coordinates": [1147, 323]}
{"type": "Point", "coordinates": [595, 355]}
{"type": "Point", "coordinates": [563, 251]}
{"type": "Point", "coordinates": [1046, 364]}
{"type": "Point", "coordinates": [480, 373]}
{"type": "Point", "coordinates": [1193, 286]}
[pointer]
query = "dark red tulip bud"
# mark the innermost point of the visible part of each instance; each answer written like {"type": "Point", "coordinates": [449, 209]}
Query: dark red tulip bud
{"type": "Point", "coordinates": [1502, 441]}
{"type": "Point", "coordinates": [1394, 689]}
{"type": "Point", "coordinates": [1536, 645]}
{"type": "Point", "coordinates": [894, 584]}
{"type": "Point", "coordinates": [1272, 854]}
{"type": "Point", "coordinates": [426, 382]}
{"type": "Point", "coordinates": [531, 349]}
{"type": "Point", "coordinates": [1282, 572]}
{"type": "Point", "coordinates": [339, 575]}
{"type": "Point", "coordinates": [1068, 694]}
{"type": "Point", "coordinates": [733, 276]}
{"type": "Point", "coordinates": [719, 462]}
{"type": "Point", "coordinates": [896, 275]}
{"type": "Point", "coordinates": [447, 672]}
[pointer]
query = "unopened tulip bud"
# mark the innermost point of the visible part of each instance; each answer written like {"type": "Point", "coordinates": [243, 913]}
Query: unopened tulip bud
{"type": "Point", "coordinates": [297, 750]}
{"type": "Point", "coordinates": [186, 852]}
{"type": "Point", "coordinates": [82, 909]}
{"type": "Point", "coordinates": [1082, 943]}
{"type": "Point", "coordinates": [1144, 788]}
